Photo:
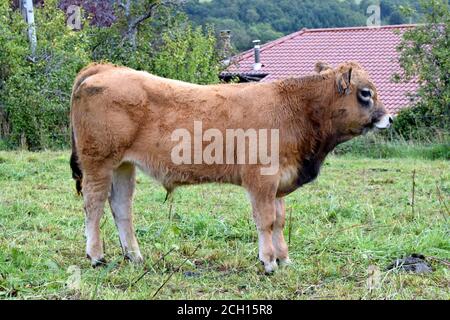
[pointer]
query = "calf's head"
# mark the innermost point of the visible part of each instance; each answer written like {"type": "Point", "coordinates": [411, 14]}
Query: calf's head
{"type": "Point", "coordinates": [356, 107]}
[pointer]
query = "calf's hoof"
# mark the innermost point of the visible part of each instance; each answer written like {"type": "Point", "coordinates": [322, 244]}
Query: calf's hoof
{"type": "Point", "coordinates": [270, 267]}
{"type": "Point", "coordinates": [134, 257]}
{"type": "Point", "coordinates": [97, 262]}
{"type": "Point", "coordinates": [284, 262]}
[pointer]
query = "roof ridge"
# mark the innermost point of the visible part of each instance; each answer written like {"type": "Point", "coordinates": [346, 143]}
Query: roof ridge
{"type": "Point", "coordinates": [391, 26]}
{"type": "Point", "coordinates": [272, 43]}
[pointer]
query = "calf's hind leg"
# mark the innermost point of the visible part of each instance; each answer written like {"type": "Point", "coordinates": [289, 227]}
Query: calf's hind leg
{"type": "Point", "coordinates": [96, 185]}
{"type": "Point", "coordinates": [121, 200]}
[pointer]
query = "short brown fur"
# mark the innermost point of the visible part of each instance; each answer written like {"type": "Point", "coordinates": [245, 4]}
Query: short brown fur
{"type": "Point", "coordinates": [123, 118]}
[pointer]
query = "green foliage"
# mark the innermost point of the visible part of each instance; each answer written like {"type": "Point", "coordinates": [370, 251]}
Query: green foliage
{"type": "Point", "coordinates": [392, 145]}
{"type": "Point", "coordinates": [12, 43]}
{"type": "Point", "coordinates": [269, 19]}
{"type": "Point", "coordinates": [188, 54]}
{"type": "Point", "coordinates": [35, 93]}
{"type": "Point", "coordinates": [13, 50]}
{"type": "Point", "coordinates": [264, 32]}
{"type": "Point", "coordinates": [168, 46]}
{"type": "Point", "coordinates": [425, 56]}
{"type": "Point", "coordinates": [119, 46]}
{"type": "Point", "coordinates": [390, 10]}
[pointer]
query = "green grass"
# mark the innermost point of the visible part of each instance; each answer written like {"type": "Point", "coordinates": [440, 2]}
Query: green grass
{"type": "Point", "coordinates": [357, 214]}
{"type": "Point", "coordinates": [379, 146]}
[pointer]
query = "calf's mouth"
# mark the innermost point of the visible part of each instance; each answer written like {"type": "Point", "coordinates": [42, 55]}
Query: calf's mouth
{"type": "Point", "coordinates": [380, 121]}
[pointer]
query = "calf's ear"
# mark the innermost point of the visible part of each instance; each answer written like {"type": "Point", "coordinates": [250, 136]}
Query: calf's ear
{"type": "Point", "coordinates": [321, 67]}
{"type": "Point", "coordinates": [343, 81]}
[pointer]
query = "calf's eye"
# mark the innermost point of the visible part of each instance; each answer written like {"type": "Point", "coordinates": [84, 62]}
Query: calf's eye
{"type": "Point", "coordinates": [365, 95]}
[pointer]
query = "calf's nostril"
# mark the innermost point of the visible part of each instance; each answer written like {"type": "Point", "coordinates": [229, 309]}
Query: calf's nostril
{"type": "Point", "coordinates": [391, 120]}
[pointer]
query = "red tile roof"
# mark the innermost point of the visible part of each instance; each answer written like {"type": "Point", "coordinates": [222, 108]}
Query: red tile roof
{"type": "Point", "coordinates": [296, 54]}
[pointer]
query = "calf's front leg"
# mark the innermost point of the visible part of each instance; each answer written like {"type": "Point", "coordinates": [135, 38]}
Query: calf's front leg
{"type": "Point", "coordinates": [265, 216]}
{"type": "Point", "coordinates": [281, 248]}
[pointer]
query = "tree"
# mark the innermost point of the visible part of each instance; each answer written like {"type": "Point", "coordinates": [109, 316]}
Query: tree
{"type": "Point", "coordinates": [425, 56]}
{"type": "Point", "coordinates": [287, 16]}
{"type": "Point", "coordinates": [271, 19]}
{"type": "Point", "coordinates": [28, 13]}
{"type": "Point", "coordinates": [35, 94]}
{"type": "Point", "coordinates": [101, 12]}
{"type": "Point", "coordinates": [188, 53]}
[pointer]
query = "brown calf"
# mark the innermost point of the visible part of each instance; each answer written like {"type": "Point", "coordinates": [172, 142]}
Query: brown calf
{"type": "Point", "coordinates": [122, 118]}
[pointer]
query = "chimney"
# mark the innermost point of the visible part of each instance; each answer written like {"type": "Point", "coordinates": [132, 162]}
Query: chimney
{"type": "Point", "coordinates": [225, 46]}
{"type": "Point", "coordinates": [257, 65]}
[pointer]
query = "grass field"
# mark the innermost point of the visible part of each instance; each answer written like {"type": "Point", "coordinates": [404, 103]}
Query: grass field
{"type": "Point", "coordinates": [357, 216]}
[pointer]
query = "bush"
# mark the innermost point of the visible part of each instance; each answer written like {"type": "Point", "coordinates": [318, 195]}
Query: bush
{"type": "Point", "coordinates": [394, 145]}
{"type": "Point", "coordinates": [35, 93]}
{"type": "Point", "coordinates": [425, 57]}
{"type": "Point", "coordinates": [188, 54]}
{"type": "Point", "coordinates": [420, 122]}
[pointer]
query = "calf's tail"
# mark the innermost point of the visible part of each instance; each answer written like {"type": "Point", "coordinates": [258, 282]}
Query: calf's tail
{"type": "Point", "coordinates": [77, 174]}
